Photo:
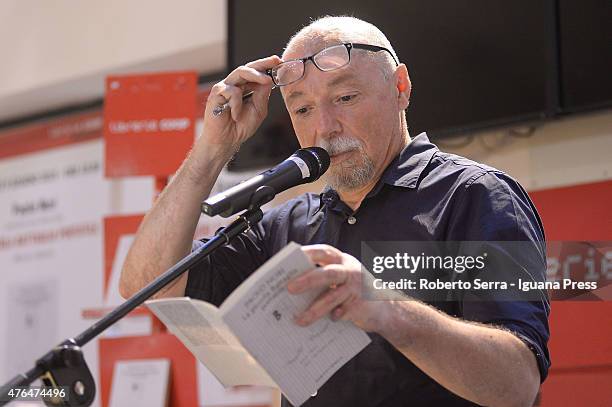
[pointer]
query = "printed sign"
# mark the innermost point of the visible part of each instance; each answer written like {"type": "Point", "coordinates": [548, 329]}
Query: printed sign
{"type": "Point", "coordinates": [148, 123]}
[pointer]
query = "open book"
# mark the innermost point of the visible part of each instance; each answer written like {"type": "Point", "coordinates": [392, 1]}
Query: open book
{"type": "Point", "coordinates": [251, 338]}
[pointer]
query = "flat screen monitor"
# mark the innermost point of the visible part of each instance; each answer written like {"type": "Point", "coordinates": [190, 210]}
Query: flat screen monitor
{"type": "Point", "coordinates": [473, 63]}
{"type": "Point", "coordinates": [585, 51]}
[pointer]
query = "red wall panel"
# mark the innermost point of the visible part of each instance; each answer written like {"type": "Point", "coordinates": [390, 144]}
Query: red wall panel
{"type": "Point", "coordinates": [581, 332]}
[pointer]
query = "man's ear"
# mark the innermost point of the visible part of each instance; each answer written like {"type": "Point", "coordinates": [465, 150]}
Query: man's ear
{"type": "Point", "coordinates": [404, 86]}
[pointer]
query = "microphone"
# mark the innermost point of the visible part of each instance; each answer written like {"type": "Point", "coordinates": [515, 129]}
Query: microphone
{"type": "Point", "coordinates": [305, 165]}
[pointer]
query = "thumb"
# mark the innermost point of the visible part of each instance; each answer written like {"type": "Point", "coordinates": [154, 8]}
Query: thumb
{"type": "Point", "coordinates": [260, 99]}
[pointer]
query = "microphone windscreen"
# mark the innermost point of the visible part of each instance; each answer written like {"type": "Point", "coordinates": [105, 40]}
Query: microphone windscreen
{"type": "Point", "coordinates": [317, 160]}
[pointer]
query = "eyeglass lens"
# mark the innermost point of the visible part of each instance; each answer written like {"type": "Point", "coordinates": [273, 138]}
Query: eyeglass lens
{"type": "Point", "coordinates": [327, 59]}
{"type": "Point", "coordinates": [332, 58]}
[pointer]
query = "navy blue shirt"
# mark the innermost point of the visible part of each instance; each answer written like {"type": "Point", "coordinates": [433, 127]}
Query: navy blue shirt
{"type": "Point", "coordinates": [423, 195]}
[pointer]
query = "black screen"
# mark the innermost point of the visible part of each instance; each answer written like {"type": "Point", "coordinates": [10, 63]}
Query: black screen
{"type": "Point", "coordinates": [585, 40]}
{"type": "Point", "coordinates": [473, 63]}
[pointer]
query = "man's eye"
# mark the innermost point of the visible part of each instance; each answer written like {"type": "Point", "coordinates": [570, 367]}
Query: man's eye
{"type": "Point", "coordinates": [347, 98]}
{"type": "Point", "coordinates": [302, 110]}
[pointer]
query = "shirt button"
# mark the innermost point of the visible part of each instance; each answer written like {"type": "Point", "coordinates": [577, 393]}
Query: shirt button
{"type": "Point", "coordinates": [351, 220]}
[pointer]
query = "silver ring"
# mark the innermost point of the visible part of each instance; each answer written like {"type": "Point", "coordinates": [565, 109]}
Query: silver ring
{"type": "Point", "coordinates": [219, 109]}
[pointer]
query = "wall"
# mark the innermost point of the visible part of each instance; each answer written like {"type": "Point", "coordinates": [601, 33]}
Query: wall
{"type": "Point", "coordinates": [57, 53]}
{"type": "Point", "coordinates": [561, 152]}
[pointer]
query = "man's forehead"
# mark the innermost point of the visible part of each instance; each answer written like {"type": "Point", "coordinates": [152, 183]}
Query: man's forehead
{"type": "Point", "coordinates": [307, 46]}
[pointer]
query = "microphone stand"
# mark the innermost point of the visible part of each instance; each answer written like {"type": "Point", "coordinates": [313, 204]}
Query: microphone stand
{"type": "Point", "coordinates": [64, 366]}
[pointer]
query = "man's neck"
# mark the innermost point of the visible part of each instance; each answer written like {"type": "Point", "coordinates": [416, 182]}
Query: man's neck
{"type": "Point", "coordinates": [354, 197]}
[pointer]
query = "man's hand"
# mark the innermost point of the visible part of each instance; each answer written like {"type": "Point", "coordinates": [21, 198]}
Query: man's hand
{"type": "Point", "coordinates": [343, 276]}
{"type": "Point", "coordinates": [486, 365]}
{"type": "Point", "coordinates": [234, 126]}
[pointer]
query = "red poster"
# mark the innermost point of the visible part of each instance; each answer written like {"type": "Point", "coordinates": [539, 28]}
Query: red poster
{"type": "Point", "coordinates": [148, 123]}
{"type": "Point", "coordinates": [183, 381]}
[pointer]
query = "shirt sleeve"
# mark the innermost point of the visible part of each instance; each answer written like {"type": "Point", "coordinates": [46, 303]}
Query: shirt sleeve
{"type": "Point", "coordinates": [218, 275]}
{"type": "Point", "coordinates": [494, 209]}
{"type": "Point", "coordinates": [214, 278]}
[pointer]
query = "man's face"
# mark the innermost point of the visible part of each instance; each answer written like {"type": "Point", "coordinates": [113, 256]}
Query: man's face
{"type": "Point", "coordinates": [352, 112]}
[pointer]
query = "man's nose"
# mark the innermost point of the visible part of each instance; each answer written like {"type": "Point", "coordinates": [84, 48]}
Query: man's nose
{"type": "Point", "coordinates": [328, 124]}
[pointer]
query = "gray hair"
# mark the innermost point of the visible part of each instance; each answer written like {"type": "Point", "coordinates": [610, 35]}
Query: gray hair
{"type": "Point", "coordinates": [346, 29]}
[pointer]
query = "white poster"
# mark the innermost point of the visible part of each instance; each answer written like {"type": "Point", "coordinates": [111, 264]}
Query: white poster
{"type": "Point", "coordinates": [32, 316]}
{"type": "Point", "coordinates": [140, 383]}
{"type": "Point", "coordinates": [52, 203]}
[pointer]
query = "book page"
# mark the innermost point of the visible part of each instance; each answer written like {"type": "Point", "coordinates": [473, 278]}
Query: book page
{"type": "Point", "coordinates": [212, 394]}
{"type": "Point", "coordinates": [300, 359]}
{"type": "Point", "coordinates": [198, 325]}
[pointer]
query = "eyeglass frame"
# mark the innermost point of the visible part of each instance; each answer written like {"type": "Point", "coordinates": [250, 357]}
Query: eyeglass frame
{"type": "Point", "coordinates": [349, 46]}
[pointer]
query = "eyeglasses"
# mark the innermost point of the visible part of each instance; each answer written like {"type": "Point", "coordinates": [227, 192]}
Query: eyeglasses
{"type": "Point", "coordinates": [328, 59]}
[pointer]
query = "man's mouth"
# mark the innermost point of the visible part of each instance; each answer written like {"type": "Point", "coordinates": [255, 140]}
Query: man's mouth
{"type": "Point", "coordinates": [341, 156]}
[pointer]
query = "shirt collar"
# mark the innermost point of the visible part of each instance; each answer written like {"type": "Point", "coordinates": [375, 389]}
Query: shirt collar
{"type": "Point", "coordinates": [404, 171]}
{"type": "Point", "coordinates": [407, 167]}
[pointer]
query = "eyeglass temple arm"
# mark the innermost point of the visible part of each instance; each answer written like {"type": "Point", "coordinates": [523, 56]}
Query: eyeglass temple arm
{"type": "Point", "coordinates": [375, 48]}
{"type": "Point", "coordinates": [269, 73]}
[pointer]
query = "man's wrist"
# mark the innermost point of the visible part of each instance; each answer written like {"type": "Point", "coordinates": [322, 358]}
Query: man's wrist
{"type": "Point", "coordinates": [400, 321]}
{"type": "Point", "coordinates": [390, 321]}
{"type": "Point", "coordinates": [205, 162]}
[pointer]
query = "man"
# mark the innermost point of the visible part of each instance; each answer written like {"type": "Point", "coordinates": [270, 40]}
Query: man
{"type": "Point", "coordinates": [346, 92]}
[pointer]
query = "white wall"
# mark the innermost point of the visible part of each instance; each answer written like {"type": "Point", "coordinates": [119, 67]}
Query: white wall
{"type": "Point", "coordinates": [572, 150]}
{"type": "Point", "coordinates": [57, 52]}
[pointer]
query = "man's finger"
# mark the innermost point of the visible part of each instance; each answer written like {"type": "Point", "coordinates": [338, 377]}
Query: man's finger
{"type": "Point", "coordinates": [260, 99]}
{"type": "Point", "coordinates": [333, 274]}
{"type": "Point", "coordinates": [244, 74]}
{"type": "Point", "coordinates": [323, 254]}
{"type": "Point", "coordinates": [253, 71]}
{"type": "Point", "coordinates": [265, 63]}
{"type": "Point", "coordinates": [338, 313]}
{"type": "Point", "coordinates": [233, 96]}
{"type": "Point", "coordinates": [324, 304]}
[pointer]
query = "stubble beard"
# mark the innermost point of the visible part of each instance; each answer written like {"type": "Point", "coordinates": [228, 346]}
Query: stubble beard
{"type": "Point", "coordinates": [353, 172]}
